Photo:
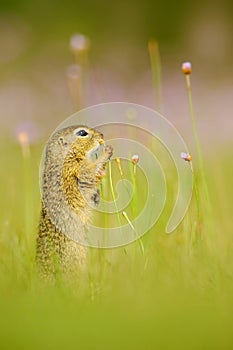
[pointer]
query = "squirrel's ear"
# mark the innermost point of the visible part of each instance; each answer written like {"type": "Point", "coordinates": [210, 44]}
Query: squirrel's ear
{"type": "Point", "coordinates": [62, 142]}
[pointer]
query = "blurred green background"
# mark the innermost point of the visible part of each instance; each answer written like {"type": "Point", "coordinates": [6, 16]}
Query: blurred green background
{"type": "Point", "coordinates": [177, 296]}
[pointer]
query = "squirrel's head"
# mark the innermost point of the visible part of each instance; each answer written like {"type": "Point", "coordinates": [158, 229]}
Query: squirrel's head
{"type": "Point", "coordinates": [80, 141]}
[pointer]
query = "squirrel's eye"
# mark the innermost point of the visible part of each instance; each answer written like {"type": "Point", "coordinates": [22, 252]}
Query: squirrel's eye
{"type": "Point", "coordinates": [82, 133]}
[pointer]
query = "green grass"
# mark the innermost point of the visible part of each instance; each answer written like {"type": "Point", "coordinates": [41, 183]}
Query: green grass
{"type": "Point", "coordinates": [160, 292]}
{"type": "Point", "coordinates": [177, 295]}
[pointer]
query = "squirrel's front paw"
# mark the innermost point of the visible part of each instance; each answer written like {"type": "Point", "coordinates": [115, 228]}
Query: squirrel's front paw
{"type": "Point", "coordinates": [106, 155]}
{"type": "Point", "coordinates": [109, 150]}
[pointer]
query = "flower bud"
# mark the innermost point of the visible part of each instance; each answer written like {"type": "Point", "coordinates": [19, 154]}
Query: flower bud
{"type": "Point", "coordinates": [135, 158]}
{"type": "Point", "coordinates": [79, 43]}
{"type": "Point", "coordinates": [186, 68]}
{"type": "Point", "coordinates": [187, 157]}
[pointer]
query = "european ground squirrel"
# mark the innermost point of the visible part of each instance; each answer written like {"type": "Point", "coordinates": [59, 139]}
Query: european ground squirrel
{"type": "Point", "coordinates": [74, 162]}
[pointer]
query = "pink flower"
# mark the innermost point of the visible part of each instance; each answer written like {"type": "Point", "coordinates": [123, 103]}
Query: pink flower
{"type": "Point", "coordinates": [186, 67]}
{"type": "Point", "coordinates": [187, 157]}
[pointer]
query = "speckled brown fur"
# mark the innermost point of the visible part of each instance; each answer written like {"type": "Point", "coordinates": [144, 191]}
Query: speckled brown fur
{"type": "Point", "coordinates": [73, 167]}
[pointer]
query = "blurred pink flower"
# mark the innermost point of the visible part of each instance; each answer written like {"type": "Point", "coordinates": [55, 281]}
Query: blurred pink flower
{"type": "Point", "coordinates": [186, 156]}
{"type": "Point", "coordinates": [186, 67]}
{"type": "Point", "coordinates": [79, 42]}
{"type": "Point", "coordinates": [29, 130]}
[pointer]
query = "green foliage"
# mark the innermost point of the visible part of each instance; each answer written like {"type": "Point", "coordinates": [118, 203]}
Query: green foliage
{"type": "Point", "coordinates": [178, 294]}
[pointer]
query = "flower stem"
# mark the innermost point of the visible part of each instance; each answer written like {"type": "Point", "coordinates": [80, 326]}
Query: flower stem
{"type": "Point", "coordinates": [196, 137]}
{"type": "Point", "coordinates": [154, 53]}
